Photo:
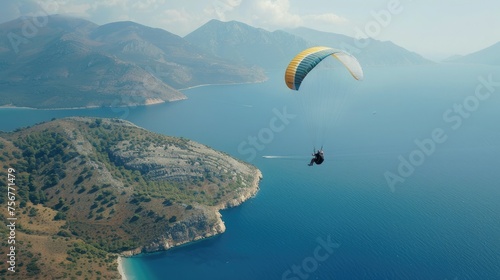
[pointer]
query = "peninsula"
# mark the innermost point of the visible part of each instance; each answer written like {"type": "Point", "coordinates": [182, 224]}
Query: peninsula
{"type": "Point", "coordinates": [89, 190]}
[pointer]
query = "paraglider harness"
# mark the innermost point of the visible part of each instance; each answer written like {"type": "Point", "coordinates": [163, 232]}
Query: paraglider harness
{"type": "Point", "coordinates": [318, 157]}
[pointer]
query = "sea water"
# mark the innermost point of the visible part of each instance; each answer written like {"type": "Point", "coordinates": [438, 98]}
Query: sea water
{"type": "Point", "coordinates": [435, 216]}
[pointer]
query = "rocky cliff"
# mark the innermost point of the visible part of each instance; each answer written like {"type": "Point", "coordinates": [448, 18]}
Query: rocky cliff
{"type": "Point", "coordinates": [207, 222]}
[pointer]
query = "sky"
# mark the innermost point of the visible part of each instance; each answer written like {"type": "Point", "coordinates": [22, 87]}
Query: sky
{"type": "Point", "coordinates": [432, 28]}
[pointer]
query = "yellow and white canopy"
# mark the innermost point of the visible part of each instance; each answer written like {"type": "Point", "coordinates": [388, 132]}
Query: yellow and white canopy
{"type": "Point", "coordinates": [306, 60]}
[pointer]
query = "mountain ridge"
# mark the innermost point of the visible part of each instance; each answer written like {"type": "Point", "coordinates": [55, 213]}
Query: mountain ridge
{"type": "Point", "coordinates": [369, 51]}
{"type": "Point", "coordinates": [489, 56]}
{"type": "Point", "coordinates": [246, 44]}
{"type": "Point", "coordinates": [256, 46]}
{"type": "Point", "coordinates": [63, 66]}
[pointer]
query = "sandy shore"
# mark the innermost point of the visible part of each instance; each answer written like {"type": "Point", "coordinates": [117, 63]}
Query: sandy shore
{"type": "Point", "coordinates": [120, 268]}
{"type": "Point", "coordinates": [48, 109]}
{"type": "Point", "coordinates": [149, 101]}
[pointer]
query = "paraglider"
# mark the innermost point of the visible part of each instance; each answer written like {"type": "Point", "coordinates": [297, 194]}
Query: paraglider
{"type": "Point", "coordinates": [304, 62]}
{"type": "Point", "coordinates": [318, 157]}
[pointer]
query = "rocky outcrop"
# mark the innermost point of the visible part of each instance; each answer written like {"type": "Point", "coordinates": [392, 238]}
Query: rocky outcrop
{"type": "Point", "coordinates": [243, 195]}
{"type": "Point", "coordinates": [207, 222]}
{"type": "Point", "coordinates": [210, 223]}
{"type": "Point", "coordinates": [201, 225]}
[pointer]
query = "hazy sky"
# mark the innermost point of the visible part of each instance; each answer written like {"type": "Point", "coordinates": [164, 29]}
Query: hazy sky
{"type": "Point", "coordinates": [433, 28]}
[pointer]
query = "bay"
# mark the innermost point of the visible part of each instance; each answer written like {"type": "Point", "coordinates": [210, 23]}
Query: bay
{"type": "Point", "coordinates": [441, 221]}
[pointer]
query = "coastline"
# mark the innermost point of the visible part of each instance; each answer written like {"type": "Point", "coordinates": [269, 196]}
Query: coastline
{"type": "Point", "coordinates": [249, 193]}
{"type": "Point", "coordinates": [149, 101]}
{"type": "Point", "coordinates": [120, 268]}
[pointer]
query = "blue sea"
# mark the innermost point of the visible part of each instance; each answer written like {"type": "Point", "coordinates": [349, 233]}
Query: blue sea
{"type": "Point", "coordinates": [410, 188]}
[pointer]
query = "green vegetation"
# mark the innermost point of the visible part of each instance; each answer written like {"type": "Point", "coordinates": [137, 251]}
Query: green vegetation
{"type": "Point", "coordinates": [104, 186]}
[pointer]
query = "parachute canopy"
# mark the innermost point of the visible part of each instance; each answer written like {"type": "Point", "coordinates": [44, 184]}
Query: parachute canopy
{"type": "Point", "coordinates": [306, 60]}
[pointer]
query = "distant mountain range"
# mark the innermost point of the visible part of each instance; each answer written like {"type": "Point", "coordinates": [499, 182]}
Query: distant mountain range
{"type": "Point", "coordinates": [489, 55]}
{"type": "Point", "coordinates": [254, 46]}
{"type": "Point", "coordinates": [71, 62]}
{"type": "Point", "coordinates": [175, 60]}
{"type": "Point", "coordinates": [368, 51]}
{"type": "Point", "coordinates": [246, 44]}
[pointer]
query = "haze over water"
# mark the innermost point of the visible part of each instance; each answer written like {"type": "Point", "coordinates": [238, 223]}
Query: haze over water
{"type": "Point", "coordinates": [441, 222]}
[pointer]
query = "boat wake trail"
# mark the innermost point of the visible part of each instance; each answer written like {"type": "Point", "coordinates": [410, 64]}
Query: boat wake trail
{"type": "Point", "coordinates": [285, 157]}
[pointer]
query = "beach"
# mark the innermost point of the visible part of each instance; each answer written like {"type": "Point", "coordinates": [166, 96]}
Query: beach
{"type": "Point", "coordinates": [120, 268]}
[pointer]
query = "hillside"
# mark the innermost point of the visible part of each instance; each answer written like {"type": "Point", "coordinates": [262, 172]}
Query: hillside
{"type": "Point", "coordinates": [246, 44]}
{"type": "Point", "coordinates": [71, 62]}
{"type": "Point", "coordinates": [488, 56]}
{"type": "Point", "coordinates": [89, 189]}
{"type": "Point", "coordinates": [172, 59]}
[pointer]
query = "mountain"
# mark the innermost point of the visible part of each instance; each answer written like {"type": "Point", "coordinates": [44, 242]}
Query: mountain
{"type": "Point", "coordinates": [246, 44]}
{"type": "Point", "coordinates": [254, 46]}
{"type": "Point", "coordinates": [88, 189]}
{"type": "Point", "coordinates": [173, 60]}
{"type": "Point", "coordinates": [368, 51]}
{"type": "Point", "coordinates": [59, 67]}
{"type": "Point", "coordinates": [489, 56]}
{"type": "Point", "coordinates": [71, 62]}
